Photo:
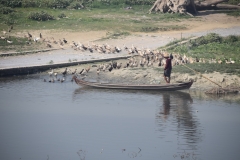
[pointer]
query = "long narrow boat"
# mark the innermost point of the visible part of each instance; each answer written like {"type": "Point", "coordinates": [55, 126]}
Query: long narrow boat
{"type": "Point", "coordinates": [160, 87]}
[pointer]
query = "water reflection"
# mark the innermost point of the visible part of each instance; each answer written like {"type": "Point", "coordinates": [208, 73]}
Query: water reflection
{"type": "Point", "coordinates": [81, 92]}
{"type": "Point", "coordinates": [176, 115]}
{"type": "Point", "coordinates": [166, 104]}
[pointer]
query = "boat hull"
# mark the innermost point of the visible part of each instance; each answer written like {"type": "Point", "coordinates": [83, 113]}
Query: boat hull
{"type": "Point", "coordinates": [160, 87]}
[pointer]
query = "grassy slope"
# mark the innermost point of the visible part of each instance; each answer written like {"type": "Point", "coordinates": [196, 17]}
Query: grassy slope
{"type": "Point", "coordinates": [211, 46]}
{"type": "Point", "coordinates": [134, 20]}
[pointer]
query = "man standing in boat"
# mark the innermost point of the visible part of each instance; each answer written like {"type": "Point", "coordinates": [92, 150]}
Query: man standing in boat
{"type": "Point", "coordinates": [168, 67]}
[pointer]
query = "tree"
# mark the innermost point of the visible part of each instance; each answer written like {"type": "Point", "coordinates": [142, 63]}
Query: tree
{"type": "Point", "coordinates": [189, 7]}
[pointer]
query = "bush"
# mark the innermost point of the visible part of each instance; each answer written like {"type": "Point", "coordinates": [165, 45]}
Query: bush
{"type": "Point", "coordinates": [209, 38]}
{"type": "Point", "coordinates": [231, 39]}
{"type": "Point", "coordinates": [6, 10]}
{"type": "Point", "coordinates": [29, 3]}
{"type": "Point", "coordinates": [139, 2]}
{"type": "Point", "coordinates": [213, 37]}
{"type": "Point", "coordinates": [75, 5]}
{"type": "Point", "coordinates": [11, 3]}
{"type": "Point", "coordinates": [60, 3]}
{"type": "Point", "coordinates": [40, 16]}
{"type": "Point", "coordinates": [62, 15]}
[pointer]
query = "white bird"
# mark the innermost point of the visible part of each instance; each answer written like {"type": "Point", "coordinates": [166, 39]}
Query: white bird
{"type": "Point", "coordinates": [4, 32]}
{"type": "Point", "coordinates": [50, 73]}
{"type": "Point", "coordinates": [62, 80]}
{"type": "Point", "coordinates": [36, 39]}
{"type": "Point", "coordinates": [98, 71]}
{"type": "Point", "coordinates": [9, 41]}
{"type": "Point", "coordinates": [232, 60]}
{"type": "Point", "coordinates": [118, 49]}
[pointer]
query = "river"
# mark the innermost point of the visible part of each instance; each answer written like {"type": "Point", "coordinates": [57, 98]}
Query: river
{"type": "Point", "coordinates": [63, 121]}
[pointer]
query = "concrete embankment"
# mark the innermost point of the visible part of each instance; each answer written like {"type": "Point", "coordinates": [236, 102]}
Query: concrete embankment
{"type": "Point", "coordinates": [26, 52]}
{"type": "Point", "coordinates": [11, 71]}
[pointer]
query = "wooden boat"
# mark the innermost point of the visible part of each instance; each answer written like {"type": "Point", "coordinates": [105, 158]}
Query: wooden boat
{"type": "Point", "coordinates": [160, 87]}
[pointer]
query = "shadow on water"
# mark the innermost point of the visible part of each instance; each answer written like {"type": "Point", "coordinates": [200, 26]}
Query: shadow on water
{"type": "Point", "coordinates": [177, 108]}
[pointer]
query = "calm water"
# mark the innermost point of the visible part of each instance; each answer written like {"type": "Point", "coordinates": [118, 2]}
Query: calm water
{"type": "Point", "coordinates": [62, 121]}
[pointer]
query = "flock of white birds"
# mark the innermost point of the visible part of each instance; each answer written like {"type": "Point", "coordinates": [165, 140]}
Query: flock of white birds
{"type": "Point", "coordinates": [141, 57]}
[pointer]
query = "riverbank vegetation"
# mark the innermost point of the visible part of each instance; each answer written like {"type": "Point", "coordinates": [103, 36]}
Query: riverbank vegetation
{"type": "Point", "coordinates": [129, 16]}
{"type": "Point", "coordinates": [212, 47]}
{"type": "Point", "coordinates": [85, 15]}
{"type": "Point", "coordinates": [213, 53]}
{"type": "Point", "coordinates": [208, 68]}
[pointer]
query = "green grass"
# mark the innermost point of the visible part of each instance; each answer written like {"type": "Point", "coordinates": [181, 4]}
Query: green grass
{"type": "Point", "coordinates": [209, 68]}
{"type": "Point", "coordinates": [211, 46]}
{"type": "Point", "coordinates": [233, 69]}
{"type": "Point", "coordinates": [19, 44]}
{"type": "Point", "coordinates": [134, 20]}
{"type": "Point", "coordinates": [115, 19]}
{"type": "Point", "coordinates": [234, 13]}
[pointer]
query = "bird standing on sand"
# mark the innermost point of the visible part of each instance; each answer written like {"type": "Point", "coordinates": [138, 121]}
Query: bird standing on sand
{"type": "Point", "coordinates": [8, 41]}
{"type": "Point", "coordinates": [98, 71]}
{"type": "Point", "coordinates": [49, 45]}
{"type": "Point", "coordinates": [75, 71]}
{"type": "Point", "coordinates": [29, 35]}
{"type": "Point", "coordinates": [110, 68]}
{"type": "Point", "coordinates": [119, 65]}
{"type": "Point", "coordinates": [114, 64]}
{"type": "Point", "coordinates": [64, 72]}
{"type": "Point", "coordinates": [88, 69]}
{"type": "Point", "coordinates": [81, 71]}
{"type": "Point", "coordinates": [64, 40]}
{"type": "Point", "coordinates": [50, 73]}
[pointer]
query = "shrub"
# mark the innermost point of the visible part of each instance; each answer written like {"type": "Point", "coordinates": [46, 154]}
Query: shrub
{"type": "Point", "coordinates": [62, 15]}
{"type": "Point", "coordinates": [139, 2]}
{"type": "Point", "coordinates": [60, 3]}
{"type": "Point", "coordinates": [29, 3]}
{"type": "Point", "coordinates": [11, 3]}
{"type": "Point", "coordinates": [6, 10]}
{"type": "Point", "coordinates": [213, 37]}
{"type": "Point", "coordinates": [231, 39]}
{"type": "Point", "coordinates": [209, 38]}
{"type": "Point", "coordinates": [75, 5]}
{"type": "Point", "coordinates": [40, 16]}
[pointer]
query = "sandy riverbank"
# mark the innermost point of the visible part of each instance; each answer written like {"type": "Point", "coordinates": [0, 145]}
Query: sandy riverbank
{"type": "Point", "coordinates": [151, 75]}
